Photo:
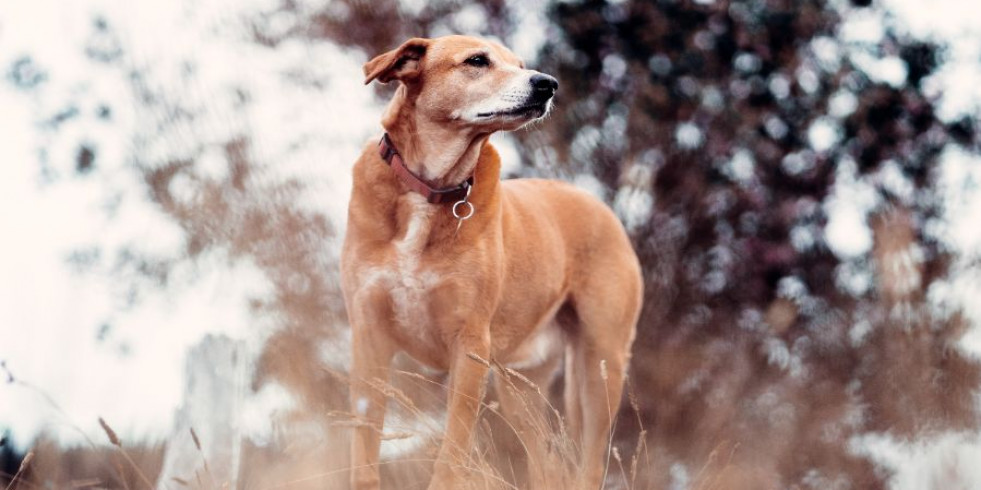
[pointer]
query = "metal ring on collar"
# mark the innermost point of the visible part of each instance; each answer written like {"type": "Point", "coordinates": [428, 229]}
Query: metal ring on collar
{"type": "Point", "coordinates": [460, 217]}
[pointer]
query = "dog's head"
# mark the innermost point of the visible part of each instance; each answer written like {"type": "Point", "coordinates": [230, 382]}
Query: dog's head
{"type": "Point", "coordinates": [466, 81]}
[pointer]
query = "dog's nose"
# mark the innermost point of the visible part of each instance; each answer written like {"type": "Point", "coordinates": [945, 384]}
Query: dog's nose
{"type": "Point", "coordinates": [543, 86]}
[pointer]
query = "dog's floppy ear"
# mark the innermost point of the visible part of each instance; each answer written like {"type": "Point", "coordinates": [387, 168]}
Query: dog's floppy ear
{"type": "Point", "coordinates": [401, 63]}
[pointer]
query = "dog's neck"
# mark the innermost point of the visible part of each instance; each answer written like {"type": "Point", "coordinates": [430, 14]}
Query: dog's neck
{"type": "Point", "coordinates": [440, 154]}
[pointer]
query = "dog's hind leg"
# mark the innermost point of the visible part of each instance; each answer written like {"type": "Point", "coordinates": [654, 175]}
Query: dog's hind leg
{"type": "Point", "coordinates": [571, 395]}
{"type": "Point", "coordinates": [523, 395]}
{"type": "Point", "coordinates": [601, 351]}
{"type": "Point", "coordinates": [602, 375]}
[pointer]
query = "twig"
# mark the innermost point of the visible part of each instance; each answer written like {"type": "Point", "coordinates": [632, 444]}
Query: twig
{"type": "Point", "coordinates": [23, 466]}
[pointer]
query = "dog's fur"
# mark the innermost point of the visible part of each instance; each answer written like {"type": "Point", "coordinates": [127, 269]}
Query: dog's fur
{"type": "Point", "coordinates": [535, 252]}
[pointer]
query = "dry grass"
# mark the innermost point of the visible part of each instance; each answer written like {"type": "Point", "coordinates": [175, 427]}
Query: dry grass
{"type": "Point", "coordinates": [295, 461]}
{"type": "Point", "coordinates": [52, 466]}
{"type": "Point", "coordinates": [310, 448]}
{"type": "Point", "coordinates": [301, 458]}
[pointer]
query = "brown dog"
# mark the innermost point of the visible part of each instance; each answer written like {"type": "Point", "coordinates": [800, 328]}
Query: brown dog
{"type": "Point", "coordinates": [444, 261]}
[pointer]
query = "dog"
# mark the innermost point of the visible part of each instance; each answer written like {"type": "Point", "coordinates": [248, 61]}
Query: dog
{"type": "Point", "coordinates": [444, 261]}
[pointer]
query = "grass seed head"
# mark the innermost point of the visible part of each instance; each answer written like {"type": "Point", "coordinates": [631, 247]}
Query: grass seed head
{"type": "Point", "coordinates": [113, 438]}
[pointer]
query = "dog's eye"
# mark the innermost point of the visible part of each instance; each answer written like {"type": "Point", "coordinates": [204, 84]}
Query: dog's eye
{"type": "Point", "coordinates": [478, 60]}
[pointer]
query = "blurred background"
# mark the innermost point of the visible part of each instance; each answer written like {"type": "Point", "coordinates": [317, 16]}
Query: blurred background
{"type": "Point", "coordinates": [800, 179]}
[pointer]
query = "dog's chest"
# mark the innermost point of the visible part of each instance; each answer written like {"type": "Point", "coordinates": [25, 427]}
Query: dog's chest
{"type": "Point", "coordinates": [405, 277]}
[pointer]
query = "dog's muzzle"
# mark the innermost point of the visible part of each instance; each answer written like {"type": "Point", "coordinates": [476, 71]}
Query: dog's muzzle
{"type": "Point", "coordinates": [535, 105]}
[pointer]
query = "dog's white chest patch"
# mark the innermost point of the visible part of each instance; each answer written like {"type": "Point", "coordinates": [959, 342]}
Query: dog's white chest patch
{"type": "Point", "coordinates": [416, 235]}
{"type": "Point", "coordinates": [406, 280]}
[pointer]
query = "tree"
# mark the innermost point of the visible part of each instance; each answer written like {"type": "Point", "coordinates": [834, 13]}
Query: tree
{"type": "Point", "coordinates": [739, 123]}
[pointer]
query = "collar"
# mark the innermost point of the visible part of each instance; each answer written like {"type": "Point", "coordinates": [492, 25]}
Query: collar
{"type": "Point", "coordinates": [434, 195]}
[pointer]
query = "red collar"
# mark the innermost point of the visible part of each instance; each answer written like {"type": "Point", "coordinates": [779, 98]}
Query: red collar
{"type": "Point", "coordinates": [391, 156]}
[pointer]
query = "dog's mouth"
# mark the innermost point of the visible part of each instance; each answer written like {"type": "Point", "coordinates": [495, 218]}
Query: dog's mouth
{"type": "Point", "coordinates": [537, 109]}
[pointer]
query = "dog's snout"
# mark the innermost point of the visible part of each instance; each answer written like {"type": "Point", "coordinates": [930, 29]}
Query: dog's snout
{"type": "Point", "coordinates": [544, 86]}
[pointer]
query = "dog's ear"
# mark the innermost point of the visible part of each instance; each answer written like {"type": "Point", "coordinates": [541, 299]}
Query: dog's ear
{"type": "Point", "coordinates": [399, 64]}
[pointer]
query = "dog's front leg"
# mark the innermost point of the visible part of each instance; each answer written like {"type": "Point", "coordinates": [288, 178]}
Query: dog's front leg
{"type": "Point", "coordinates": [371, 357]}
{"type": "Point", "coordinates": [468, 376]}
